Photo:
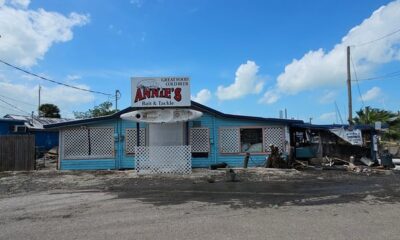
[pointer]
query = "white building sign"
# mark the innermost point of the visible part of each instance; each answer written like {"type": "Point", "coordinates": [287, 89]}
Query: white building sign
{"type": "Point", "coordinates": [160, 91]}
{"type": "Point", "coordinates": [354, 137]}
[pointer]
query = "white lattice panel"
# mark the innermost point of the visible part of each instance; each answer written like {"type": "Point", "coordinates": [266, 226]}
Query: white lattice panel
{"type": "Point", "coordinates": [131, 139]}
{"type": "Point", "coordinates": [102, 142]}
{"type": "Point", "coordinates": [75, 143]}
{"type": "Point", "coordinates": [200, 140]}
{"type": "Point", "coordinates": [275, 136]}
{"type": "Point", "coordinates": [229, 140]}
{"type": "Point", "coordinates": [163, 159]}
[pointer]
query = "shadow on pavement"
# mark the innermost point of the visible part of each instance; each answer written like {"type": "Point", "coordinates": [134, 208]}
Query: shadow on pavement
{"type": "Point", "coordinates": [333, 189]}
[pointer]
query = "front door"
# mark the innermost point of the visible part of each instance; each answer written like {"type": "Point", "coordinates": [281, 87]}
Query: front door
{"type": "Point", "coordinates": [166, 150]}
{"type": "Point", "coordinates": [167, 134]}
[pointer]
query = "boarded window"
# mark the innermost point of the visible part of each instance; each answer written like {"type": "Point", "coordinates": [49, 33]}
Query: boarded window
{"type": "Point", "coordinates": [131, 139]}
{"type": "Point", "coordinates": [200, 142]}
{"type": "Point", "coordinates": [229, 140]}
{"type": "Point", "coordinates": [275, 136]}
{"type": "Point", "coordinates": [101, 142]}
{"type": "Point", "coordinates": [75, 143]}
{"type": "Point", "coordinates": [82, 143]}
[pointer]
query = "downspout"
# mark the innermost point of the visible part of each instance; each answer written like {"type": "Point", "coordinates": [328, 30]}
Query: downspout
{"type": "Point", "coordinates": [214, 141]}
{"type": "Point", "coordinates": [60, 149]}
{"type": "Point", "coordinates": [137, 142]}
{"type": "Point", "coordinates": [118, 158]}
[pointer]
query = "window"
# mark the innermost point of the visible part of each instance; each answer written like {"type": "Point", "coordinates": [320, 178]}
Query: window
{"type": "Point", "coordinates": [200, 142]}
{"type": "Point", "coordinates": [274, 136]}
{"type": "Point", "coordinates": [251, 140]}
{"type": "Point", "coordinates": [81, 143]}
{"type": "Point", "coordinates": [229, 140]}
{"type": "Point", "coordinates": [234, 140]}
{"type": "Point", "coordinates": [131, 138]}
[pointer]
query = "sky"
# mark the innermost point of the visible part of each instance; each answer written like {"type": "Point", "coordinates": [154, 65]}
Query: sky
{"type": "Point", "coordinates": [243, 57]}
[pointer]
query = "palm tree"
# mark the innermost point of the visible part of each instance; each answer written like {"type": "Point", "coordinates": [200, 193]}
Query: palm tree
{"type": "Point", "coordinates": [370, 115]}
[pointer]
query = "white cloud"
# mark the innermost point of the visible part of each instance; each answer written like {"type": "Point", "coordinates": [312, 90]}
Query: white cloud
{"type": "Point", "coordinates": [328, 117]}
{"type": "Point", "coordinates": [66, 99]}
{"type": "Point", "coordinates": [270, 96]}
{"type": "Point", "coordinates": [73, 77]}
{"type": "Point", "coordinates": [246, 82]}
{"type": "Point", "coordinates": [203, 96]}
{"type": "Point", "coordinates": [371, 94]}
{"type": "Point", "coordinates": [20, 3]}
{"type": "Point", "coordinates": [328, 97]}
{"type": "Point", "coordinates": [321, 68]}
{"type": "Point", "coordinates": [26, 35]}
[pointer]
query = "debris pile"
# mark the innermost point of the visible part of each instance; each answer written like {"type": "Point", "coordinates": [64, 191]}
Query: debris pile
{"type": "Point", "coordinates": [362, 165]}
{"type": "Point", "coordinates": [275, 160]}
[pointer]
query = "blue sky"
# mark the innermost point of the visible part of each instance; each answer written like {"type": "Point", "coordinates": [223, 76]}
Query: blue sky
{"type": "Point", "coordinates": [239, 54]}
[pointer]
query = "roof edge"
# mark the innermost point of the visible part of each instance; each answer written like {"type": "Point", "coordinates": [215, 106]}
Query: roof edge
{"type": "Point", "coordinates": [194, 106]}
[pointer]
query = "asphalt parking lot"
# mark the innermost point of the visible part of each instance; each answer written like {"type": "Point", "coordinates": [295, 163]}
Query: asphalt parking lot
{"type": "Point", "coordinates": [123, 205]}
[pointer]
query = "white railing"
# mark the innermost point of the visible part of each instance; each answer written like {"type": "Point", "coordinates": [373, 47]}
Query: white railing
{"type": "Point", "coordinates": [163, 159]}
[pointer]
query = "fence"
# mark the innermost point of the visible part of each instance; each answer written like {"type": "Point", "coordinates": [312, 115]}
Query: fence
{"type": "Point", "coordinates": [163, 159]}
{"type": "Point", "coordinates": [17, 153]}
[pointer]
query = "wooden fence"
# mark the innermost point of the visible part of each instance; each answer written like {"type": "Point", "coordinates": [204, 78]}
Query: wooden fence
{"type": "Point", "coordinates": [17, 153]}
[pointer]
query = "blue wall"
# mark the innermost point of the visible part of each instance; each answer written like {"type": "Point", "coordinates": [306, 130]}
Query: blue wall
{"type": "Point", "coordinates": [43, 139]}
{"type": "Point", "coordinates": [5, 126]}
{"type": "Point", "coordinates": [123, 161]}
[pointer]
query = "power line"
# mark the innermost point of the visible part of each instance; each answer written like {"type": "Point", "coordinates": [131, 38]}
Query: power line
{"type": "Point", "coordinates": [7, 108]}
{"type": "Point", "coordinates": [338, 112]}
{"type": "Point", "coordinates": [377, 39]}
{"type": "Point", "coordinates": [17, 100]}
{"type": "Point", "coordinates": [53, 81]}
{"type": "Point", "coordinates": [13, 106]}
{"type": "Point", "coordinates": [388, 75]}
{"type": "Point", "coordinates": [358, 85]}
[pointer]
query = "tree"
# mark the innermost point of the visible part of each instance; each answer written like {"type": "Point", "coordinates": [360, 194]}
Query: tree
{"type": "Point", "coordinates": [103, 109]}
{"type": "Point", "coordinates": [49, 110]}
{"type": "Point", "coordinates": [370, 115]}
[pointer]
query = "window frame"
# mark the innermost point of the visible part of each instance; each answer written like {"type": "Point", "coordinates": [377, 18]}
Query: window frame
{"type": "Point", "coordinates": [208, 142]}
{"type": "Point", "coordinates": [89, 156]}
{"type": "Point", "coordinates": [265, 149]}
{"type": "Point", "coordinates": [262, 139]}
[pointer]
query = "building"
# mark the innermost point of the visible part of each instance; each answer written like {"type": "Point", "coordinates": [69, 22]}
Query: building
{"type": "Point", "coordinates": [335, 141]}
{"type": "Point", "coordinates": [109, 142]}
{"type": "Point", "coordinates": [45, 139]}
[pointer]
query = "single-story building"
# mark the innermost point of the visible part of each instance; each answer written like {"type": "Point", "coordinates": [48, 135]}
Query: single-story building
{"type": "Point", "coordinates": [112, 142]}
{"type": "Point", "coordinates": [45, 139]}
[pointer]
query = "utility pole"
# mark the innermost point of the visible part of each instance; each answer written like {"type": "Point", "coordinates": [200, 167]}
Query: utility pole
{"type": "Point", "coordinates": [349, 88]}
{"type": "Point", "coordinates": [40, 88]}
{"type": "Point", "coordinates": [117, 97]}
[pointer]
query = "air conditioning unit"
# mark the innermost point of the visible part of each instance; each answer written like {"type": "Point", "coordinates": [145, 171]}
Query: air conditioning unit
{"type": "Point", "coordinates": [20, 129]}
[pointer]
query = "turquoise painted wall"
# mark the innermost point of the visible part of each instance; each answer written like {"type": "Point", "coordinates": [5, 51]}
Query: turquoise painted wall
{"type": "Point", "coordinates": [93, 164]}
{"type": "Point", "coordinates": [122, 160]}
{"type": "Point", "coordinates": [236, 160]}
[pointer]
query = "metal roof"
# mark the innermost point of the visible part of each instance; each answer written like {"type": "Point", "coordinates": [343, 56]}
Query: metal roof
{"type": "Point", "coordinates": [194, 106]}
{"type": "Point", "coordinates": [35, 122]}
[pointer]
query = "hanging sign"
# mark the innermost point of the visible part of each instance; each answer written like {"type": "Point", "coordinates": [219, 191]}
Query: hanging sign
{"type": "Point", "coordinates": [160, 92]}
{"type": "Point", "coordinates": [354, 137]}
